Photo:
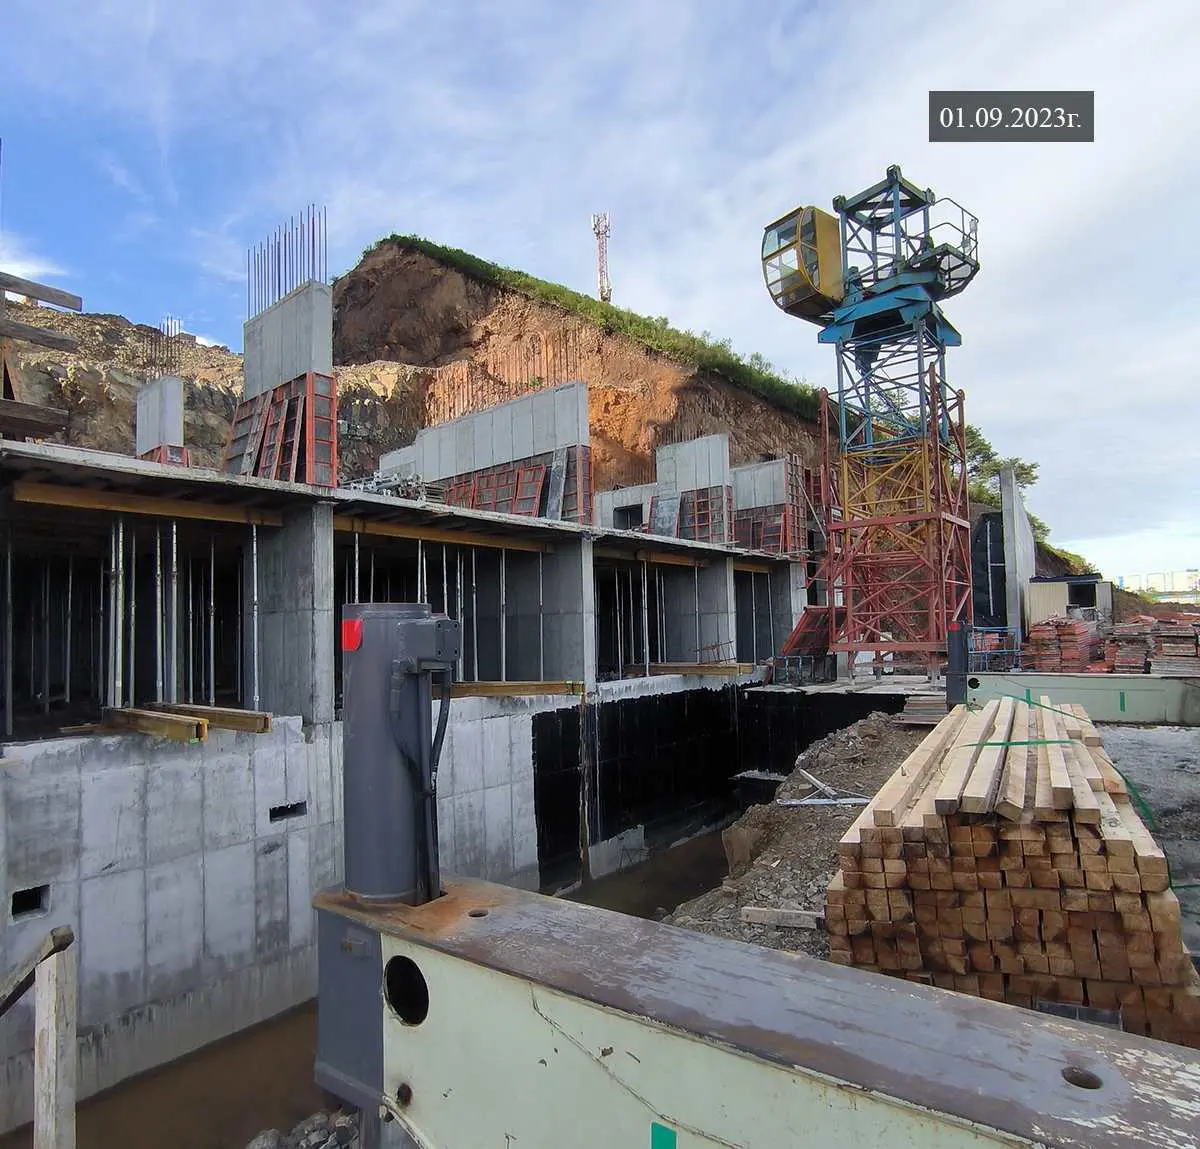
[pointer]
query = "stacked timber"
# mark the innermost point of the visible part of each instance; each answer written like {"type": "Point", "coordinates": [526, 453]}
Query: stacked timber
{"type": "Point", "coordinates": [1004, 859]}
{"type": "Point", "coordinates": [1175, 650]}
{"type": "Point", "coordinates": [1066, 645]}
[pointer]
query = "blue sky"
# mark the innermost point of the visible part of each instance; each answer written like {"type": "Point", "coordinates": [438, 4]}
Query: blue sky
{"type": "Point", "coordinates": [147, 145]}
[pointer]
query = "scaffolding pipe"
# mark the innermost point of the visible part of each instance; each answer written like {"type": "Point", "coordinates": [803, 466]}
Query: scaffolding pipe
{"type": "Point", "coordinates": [541, 625]}
{"type": "Point", "coordinates": [632, 625]}
{"type": "Point", "coordinates": [696, 584]}
{"type": "Point", "coordinates": [753, 620]}
{"type": "Point", "coordinates": [132, 615]}
{"type": "Point", "coordinates": [474, 618]}
{"type": "Point", "coordinates": [646, 616]}
{"type": "Point", "coordinates": [771, 615]}
{"type": "Point", "coordinates": [46, 636]}
{"type": "Point", "coordinates": [371, 576]}
{"type": "Point", "coordinates": [254, 612]}
{"type": "Point", "coordinates": [158, 616]}
{"type": "Point", "coordinates": [107, 630]}
{"type": "Point", "coordinates": [212, 622]}
{"type": "Point", "coordinates": [458, 598]}
{"type": "Point", "coordinates": [445, 584]}
{"type": "Point", "coordinates": [239, 630]}
{"type": "Point", "coordinates": [173, 646]}
{"type": "Point", "coordinates": [422, 573]}
{"type": "Point", "coordinates": [660, 582]}
{"type": "Point", "coordinates": [67, 635]}
{"type": "Point", "coordinates": [620, 634]}
{"type": "Point", "coordinates": [8, 632]}
{"type": "Point", "coordinates": [357, 581]}
{"type": "Point", "coordinates": [119, 619]}
{"type": "Point", "coordinates": [191, 648]}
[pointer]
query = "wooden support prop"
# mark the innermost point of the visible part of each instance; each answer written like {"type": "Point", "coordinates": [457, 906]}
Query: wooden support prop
{"type": "Point", "coordinates": [513, 689]}
{"type": "Point", "coordinates": [962, 757]}
{"type": "Point", "coordinates": [898, 792]}
{"type": "Point", "coordinates": [177, 727]}
{"type": "Point", "coordinates": [83, 498]}
{"type": "Point", "coordinates": [55, 1055]}
{"type": "Point", "coordinates": [222, 717]}
{"type": "Point", "coordinates": [39, 336]}
{"type": "Point", "coordinates": [18, 286]}
{"type": "Point", "coordinates": [979, 792]}
{"type": "Point", "coordinates": [792, 919]}
{"type": "Point", "coordinates": [21, 977]}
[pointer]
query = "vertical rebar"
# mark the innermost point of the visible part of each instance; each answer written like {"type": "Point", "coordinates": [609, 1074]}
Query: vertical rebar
{"type": "Point", "coordinates": [254, 611]}
{"type": "Point", "coordinates": [503, 615]}
{"type": "Point", "coordinates": [67, 635]}
{"type": "Point", "coordinates": [212, 622]}
{"type": "Point", "coordinates": [541, 625]}
{"type": "Point", "coordinates": [158, 616]}
{"type": "Point", "coordinates": [474, 618]}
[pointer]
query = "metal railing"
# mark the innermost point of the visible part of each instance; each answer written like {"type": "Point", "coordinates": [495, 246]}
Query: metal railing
{"type": "Point", "coordinates": [52, 973]}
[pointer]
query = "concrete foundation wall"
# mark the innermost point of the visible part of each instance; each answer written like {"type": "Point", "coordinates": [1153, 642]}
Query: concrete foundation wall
{"type": "Point", "coordinates": [535, 424]}
{"type": "Point", "coordinates": [186, 873]}
{"type": "Point", "coordinates": [558, 627]}
{"type": "Point", "coordinates": [759, 485]}
{"type": "Point", "coordinates": [1125, 698]}
{"type": "Point", "coordinates": [159, 420]}
{"type": "Point", "coordinates": [693, 465]}
{"type": "Point", "coordinates": [606, 502]}
{"type": "Point", "coordinates": [700, 600]}
{"type": "Point", "coordinates": [289, 339]}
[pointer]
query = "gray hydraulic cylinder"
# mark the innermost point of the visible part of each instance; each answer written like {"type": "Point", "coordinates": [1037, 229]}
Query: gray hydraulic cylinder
{"type": "Point", "coordinates": [389, 651]}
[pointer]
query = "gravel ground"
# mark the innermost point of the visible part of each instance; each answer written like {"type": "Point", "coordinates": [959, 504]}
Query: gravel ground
{"type": "Point", "coordinates": [784, 857]}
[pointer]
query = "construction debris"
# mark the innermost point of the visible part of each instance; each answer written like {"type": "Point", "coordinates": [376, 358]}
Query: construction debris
{"type": "Point", "coordinates": [781, 856]}
{"type": "Point", "coordinates": [1004, 859]}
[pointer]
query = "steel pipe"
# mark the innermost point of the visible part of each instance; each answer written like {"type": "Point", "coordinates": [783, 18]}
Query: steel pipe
{"type": "Point", "coordinates": [119, 619]}
{"type": "Point", "coordinates": [174, 643]}
{"type": "Point", "coordinates": [158, 616]}
{"type": "Point", "coordinates": [46, 636]}
{"type": "Point", "coordinates": [212, 622]}
{"type": "Point", "coordinates": [132, 615]}
{"type": "Point", "coordinates": [541, 625]}
{"type": "Point", "coordinates": [646, 616]}
{"type": "Point", "coordinates": [254, 699]}
{"type": "Point", "coordinates": [8, 632]}
{"type": "Point", "coordinates": [474, 618]}
{"type": "Point", "coordinates": [67, 635]}
{"type": "Point", "coordinates": [503, 615]}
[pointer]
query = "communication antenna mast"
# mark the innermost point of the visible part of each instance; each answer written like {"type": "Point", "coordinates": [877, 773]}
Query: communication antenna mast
{"type": "Point", "coordinates": [601, 228]}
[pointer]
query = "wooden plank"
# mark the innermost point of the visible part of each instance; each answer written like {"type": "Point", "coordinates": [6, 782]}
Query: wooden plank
{"type": "Point", "coordinates": [55, 1055]}
{"type": "Point", "coordinates": [174, 726]}
{"type": "Point", "coordinates": [962, 757]}
{"type": "Point", "coordinates": [83, 498]}
{"type": "Point", "coordinates": [1060, 780]}
{"type": "Point", "coordinates": [1089, 735]}
{"type": "Point", "coordinates": [1091, 768]}
{"type": "Point", "coordinates": [1014, 788]}
{"type": "Point", "coordinates": [791, 919]}
{"type": "Point", "coordinates": [1083, 797]}
{"type": "Point", "coordinates": [222, 717]}
{"type": "Point", "coordinates": [18, 980]}
{"type": "Point", "coordinates": [39, 336]}
{"type": "Point", "coordinates": [39, 291]}
{"type": "Point", "coordinates": [979, 791]}
{"type": "Point", "coordinates": [21, 419]}
{"type": "Point", "coordinates": [897, 793]}
{"type": "Point", "coordinates": [513, 689]}
{"type": "Point", "coordinates": [1043, 800]}
{"type": "Point", "coordinates": [1069, 720]}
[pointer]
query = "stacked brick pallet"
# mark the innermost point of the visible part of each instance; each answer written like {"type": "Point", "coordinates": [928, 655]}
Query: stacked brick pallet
{"type": "Point", "coordinates": [1004, 859]}
{"type": "Point", "coordinates": [1067, 645]}
{"type": "Point", "coordinates": [1130, 645]}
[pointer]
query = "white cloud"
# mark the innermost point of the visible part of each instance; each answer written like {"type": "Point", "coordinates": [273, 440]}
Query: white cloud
{"type": "Point", "coordinates": [209, 341]}
{"type": "Point", "coordinates": [18, 258]}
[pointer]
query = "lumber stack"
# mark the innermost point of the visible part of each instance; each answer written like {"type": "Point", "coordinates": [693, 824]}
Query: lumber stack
{"type": "Point", "coordinates": [1175, 650]}
{"type": "Point", "coordinates": [1061, 645]}
{"type": "Point", "coordinates": [1129, 645]}
{"type": "Point", "coordinates": [1004, 859]}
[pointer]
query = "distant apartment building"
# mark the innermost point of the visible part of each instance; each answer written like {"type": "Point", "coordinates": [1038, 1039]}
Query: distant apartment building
{"type": "Point", "coordinates": [1178, 586]}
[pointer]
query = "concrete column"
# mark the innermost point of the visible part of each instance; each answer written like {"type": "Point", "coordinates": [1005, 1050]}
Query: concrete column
{"type": "Point", "coordinates": [295, 615]}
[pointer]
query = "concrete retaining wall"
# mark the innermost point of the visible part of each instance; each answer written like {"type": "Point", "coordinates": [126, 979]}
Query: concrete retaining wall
{"type": "Point", "coordinates": [759, 485]}
{"type": "Point", "coordinates": [289, 339]}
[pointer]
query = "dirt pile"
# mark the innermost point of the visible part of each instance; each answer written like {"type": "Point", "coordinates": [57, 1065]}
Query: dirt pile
{"type": "Point", "coordinates": [403, 305]}
{"type": "Point", "coordinates": [783, 857]}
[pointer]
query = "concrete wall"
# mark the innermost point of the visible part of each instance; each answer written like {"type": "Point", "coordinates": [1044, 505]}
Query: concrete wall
{"type": "Point", "coordinates": [1020, 549]}
{"type": "Point", "coordinates": [535, 424]}
{"type": "Point", "coordinates": [692, 465]}
{"type": "Point", "coordinates": [759, 485]}
{"type": "Point", "coordinates": [295, 616]}
{"type": "Point", "coordinates": [159, 414]}
{"type": "Point", "coordinates": [289, 339]}
{"type": "Point", "coordinates": [191, 905]}
{"type": "Point", "coordinates": [712, 588]}
{"type": "Point", "coordinates": [563, 627]}
{"type": "Point", "coordinates": [605, 502]}
{"type": "Point", "coordinates": [1125, 698]}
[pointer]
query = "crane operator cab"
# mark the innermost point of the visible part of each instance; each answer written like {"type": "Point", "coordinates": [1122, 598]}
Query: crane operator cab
{"type": "Point", "coordinates": [802, 263]}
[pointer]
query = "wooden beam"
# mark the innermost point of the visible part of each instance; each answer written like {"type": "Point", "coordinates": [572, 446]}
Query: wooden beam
{"type": "Point", "coordinates": [20, 977]}
{"type": "Point", "coordinates": [222, 717]}
{"type": "Point", "coordinates": [177, 727]}
{"type": "Point", "coordinates": [40, 336]}
{"type": "Point", "coordinates": [55, 1056]}
{"type": "Point", "coordinates": [83, 498]}
{"type": "Point", "coordinates": [512, 689]}
{"type": "Point", "coordinates": [751, 568]}
{"type": "Point", "coordinates": [349, 525]}
{"type": "Point", "coordinates": [18, 418]}
{"type": "Point", "coordinates": [40, 291]}
{"type": "Point", "coordinates": [659, 558]}
{"type": "Point", "coordinates": [691, 668]}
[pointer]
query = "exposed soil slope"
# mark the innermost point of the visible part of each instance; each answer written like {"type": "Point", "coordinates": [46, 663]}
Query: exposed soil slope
{"type": "Point", "coordinates": [403, 305]}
